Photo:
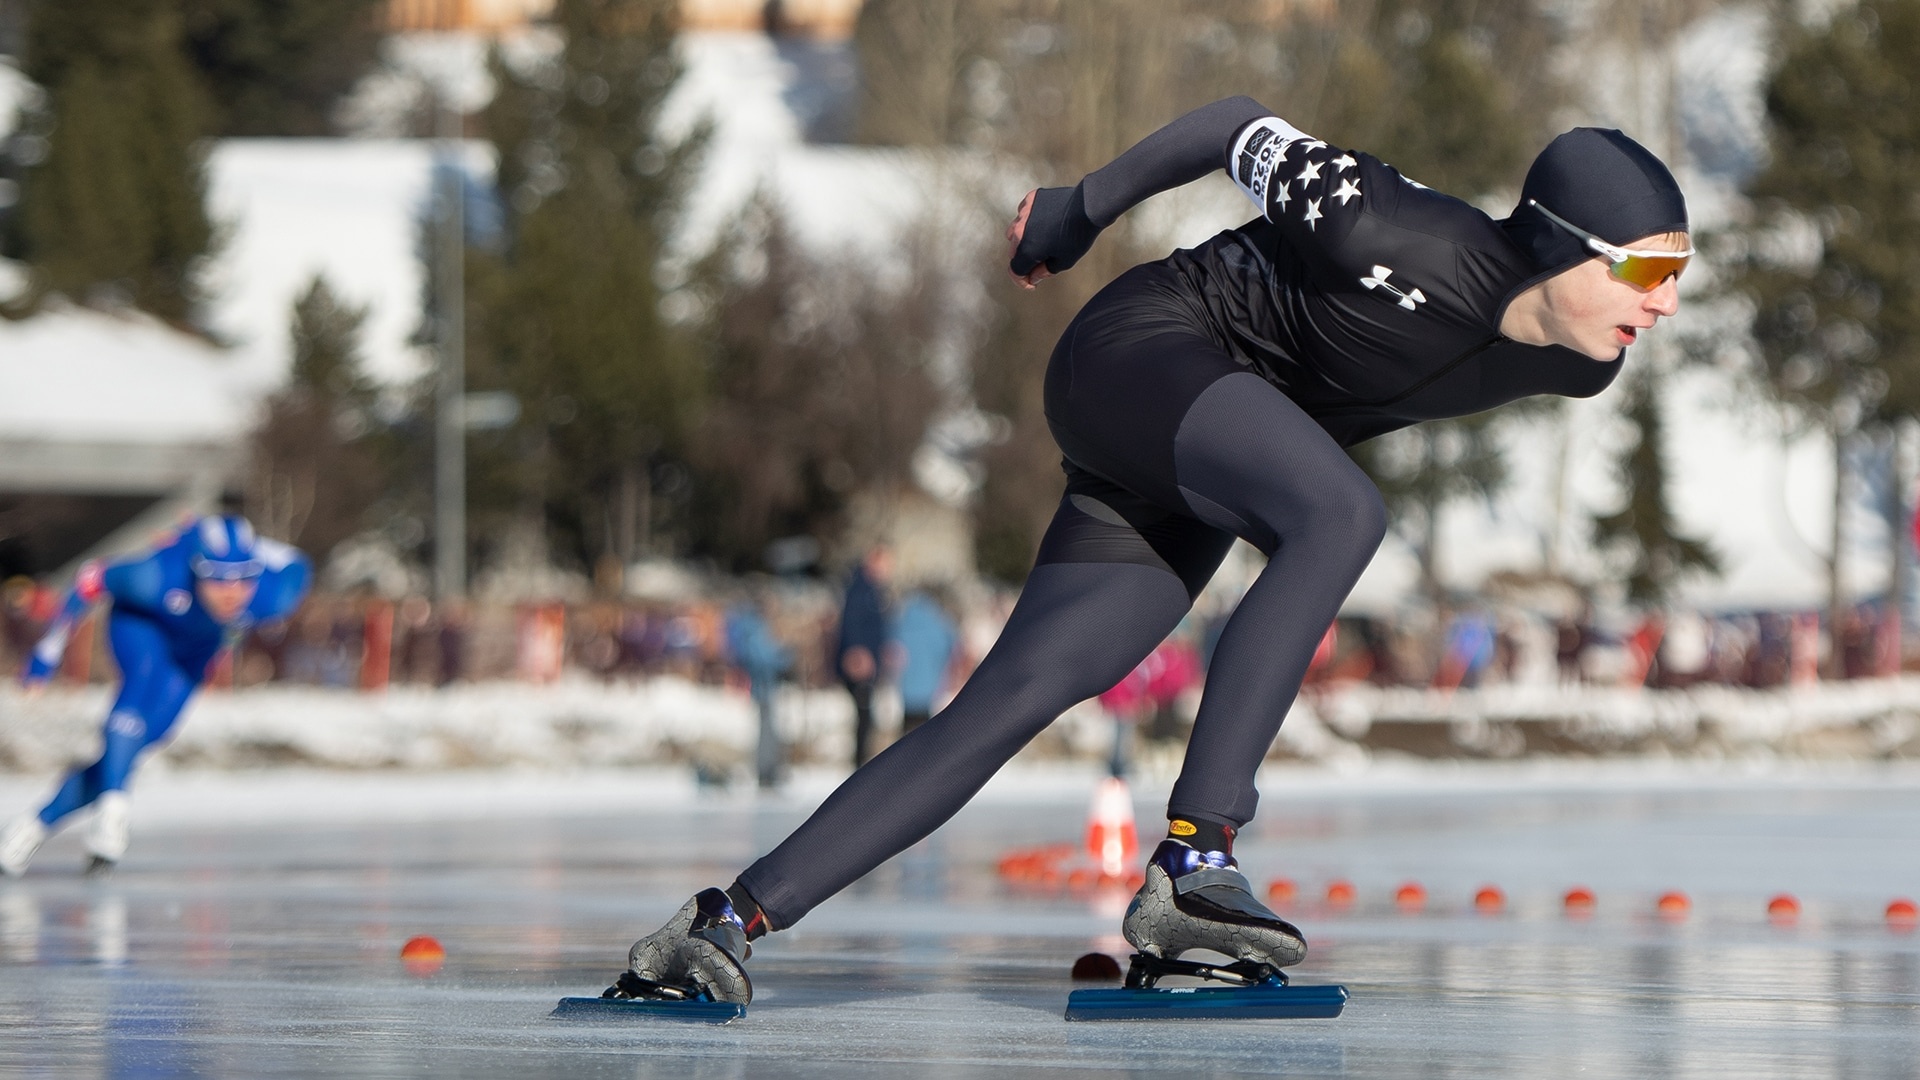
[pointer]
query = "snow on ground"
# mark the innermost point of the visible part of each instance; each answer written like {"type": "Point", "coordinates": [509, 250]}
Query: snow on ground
{"type": "Point", "coordinates": [710, 730]}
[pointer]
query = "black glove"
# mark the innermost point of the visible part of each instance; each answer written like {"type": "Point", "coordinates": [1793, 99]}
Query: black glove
{"type": "Point", "coordinates": [1058, 231]}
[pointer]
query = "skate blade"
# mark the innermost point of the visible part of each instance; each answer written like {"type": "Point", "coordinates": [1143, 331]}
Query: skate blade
{"type": "Point", "coordinates": [640, 1009]}
{"type": "Point", "coordinates": [1263, 1002]}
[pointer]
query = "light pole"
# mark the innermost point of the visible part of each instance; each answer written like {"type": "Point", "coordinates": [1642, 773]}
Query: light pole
{"type": "Point", "coordinates": [450, 422]}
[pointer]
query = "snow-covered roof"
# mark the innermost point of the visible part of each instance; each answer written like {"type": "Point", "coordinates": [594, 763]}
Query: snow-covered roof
{"type": "Point", "coordinates": [78, 375]}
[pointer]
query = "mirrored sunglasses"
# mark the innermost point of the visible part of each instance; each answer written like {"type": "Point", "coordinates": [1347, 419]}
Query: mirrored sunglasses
{"type": "Point", "coordinates": [1637, 267]}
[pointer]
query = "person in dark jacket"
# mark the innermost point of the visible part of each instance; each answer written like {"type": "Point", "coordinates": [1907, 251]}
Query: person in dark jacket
{"type": "Point", "coordinates": [861, 647]}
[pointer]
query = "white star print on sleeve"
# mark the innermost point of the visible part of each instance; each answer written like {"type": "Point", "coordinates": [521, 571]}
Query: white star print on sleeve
{"type": "Point", "coordinates": [1259, 150]}
{"type": "Point", "coordinates": [1277, 165]}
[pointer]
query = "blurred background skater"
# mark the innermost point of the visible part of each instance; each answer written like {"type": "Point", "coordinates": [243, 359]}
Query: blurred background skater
{"type": "Point", "coordinates": [927, 641]}
{"type": "Point", "coordinates": [764, 660]}
{"type": "Point", "coordinates": [1467, 651]}
{"type": "Point", "coordinates": [861, 645]}
{"type": "Point", "coordinates": [1209, 396]}
{"type": "Point", "coordinates": [172, 613]}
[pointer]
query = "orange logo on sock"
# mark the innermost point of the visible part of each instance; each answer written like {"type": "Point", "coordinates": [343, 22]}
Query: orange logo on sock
{"type": "Point", "coordinates": [1181, 828]}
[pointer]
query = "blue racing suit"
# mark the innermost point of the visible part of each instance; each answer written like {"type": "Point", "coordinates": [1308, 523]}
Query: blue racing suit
{"type": "Point", "coordinates": [163, 640]}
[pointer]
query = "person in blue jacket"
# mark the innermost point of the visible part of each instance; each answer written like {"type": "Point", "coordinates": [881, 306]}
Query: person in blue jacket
{"type": "Point", "coordinates": [173, 610]}
{"type": "Point", "coordinates": [927, 640]}
{"type": "Point", "coordinates": [764, 660]}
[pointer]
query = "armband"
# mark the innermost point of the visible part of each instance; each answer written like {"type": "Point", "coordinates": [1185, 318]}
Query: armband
{"type": "Point", "coordinates": [1259, 150]}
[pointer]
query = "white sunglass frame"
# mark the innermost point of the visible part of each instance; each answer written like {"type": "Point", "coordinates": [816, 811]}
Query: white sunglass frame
{"type": "Point", "coordinates": [1613, 252]}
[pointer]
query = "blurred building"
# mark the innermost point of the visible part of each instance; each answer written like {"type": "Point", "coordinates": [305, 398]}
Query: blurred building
{"type": "Point", "coordinates": [111, 426]}
{"type": "Point", "coordinates": [829, 19]}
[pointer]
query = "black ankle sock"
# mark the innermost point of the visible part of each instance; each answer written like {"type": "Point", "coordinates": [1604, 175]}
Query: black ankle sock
{"type": "Point", "coordinates": [1201, 835]}
{"type": "Point", "coordinates": [745, 906]}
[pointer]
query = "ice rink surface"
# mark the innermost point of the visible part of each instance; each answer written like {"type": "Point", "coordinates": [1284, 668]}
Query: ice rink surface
{"type": "Point", "coordinates": [254, 931]}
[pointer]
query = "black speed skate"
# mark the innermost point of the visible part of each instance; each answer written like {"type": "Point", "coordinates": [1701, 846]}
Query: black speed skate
{"type": "Point", "coordinates": [1200, 900]}
{"type": "Point", "coordinates": [689, 969]}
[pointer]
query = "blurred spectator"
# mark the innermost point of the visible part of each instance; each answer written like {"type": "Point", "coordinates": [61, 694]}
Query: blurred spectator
{"type": "Point", "coordinates": [1126, 703]}
{"type": "Point", "coordinates": [454, 628]}
{"type": "Point", "coordinates": [1772, 656]}
{"type": "Point", "coordinates": [1571, 640]}
{"type": "Point", "coordinates": [414, 647]}
{"type": "Point", "coordinates": [1643, 649]}
{"type": "Point", "coordinates": [761, 656]}
{"type": "Point", "coordinates": [927, 639]}
{"type": "Point", "coordinates": [1468, 651]}
{"type": "Point", "coordinates": [1173, 668]}
{"type": "Point", "coordinates": [862, 642]}
{"type": "Point", "coordinates": [1858, 654]}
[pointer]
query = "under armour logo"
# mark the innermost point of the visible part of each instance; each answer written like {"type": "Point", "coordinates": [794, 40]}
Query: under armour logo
{"type": "Point", "coordinates": [1409, 300]}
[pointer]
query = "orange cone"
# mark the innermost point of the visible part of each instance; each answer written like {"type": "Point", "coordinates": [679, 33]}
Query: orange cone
{"type": "Point", "coordinates": [1111, 838]}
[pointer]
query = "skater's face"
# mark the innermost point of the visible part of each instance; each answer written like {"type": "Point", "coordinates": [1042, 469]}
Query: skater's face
{"type": "Point", "coordinates": [1593, 312]}
{"type": "Point", "coordinates": [225, 600]}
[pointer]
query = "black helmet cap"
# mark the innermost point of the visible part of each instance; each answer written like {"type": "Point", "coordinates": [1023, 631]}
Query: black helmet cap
{"type": "Point", "coordinates": [1602, 181]}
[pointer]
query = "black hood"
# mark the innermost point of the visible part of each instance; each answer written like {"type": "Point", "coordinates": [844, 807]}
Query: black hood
{"type": "Point", "coordinates": [1603, 182]}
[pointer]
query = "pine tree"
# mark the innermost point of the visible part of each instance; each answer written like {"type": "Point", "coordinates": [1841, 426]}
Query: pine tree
{"type": "Point", "coordinates": [1642, 534]}
{"type": "Point", "coordinates": [1832, 261]}
{"type": "Point", "coordinates": [822, 385]}
{"type": "Point", "coordinates": [115, 210]}
{"type": "Point", "coordinates": [567, 315]}
{"type": "Point", "coordinates": [278, 67]}
{"type": "Point", "coordinates": [315, 468]}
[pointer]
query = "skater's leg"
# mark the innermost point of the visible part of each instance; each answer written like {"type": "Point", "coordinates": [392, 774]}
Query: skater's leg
{"type": "Point", "coordinates": [151, 696]}
{"type": "Point", "coordinates": [1251, 461]}
{"type": "Point", "coordinates": [1114, 577]}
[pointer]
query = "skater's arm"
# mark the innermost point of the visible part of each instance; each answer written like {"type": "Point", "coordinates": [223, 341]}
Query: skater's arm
{"type": "Point", "coordinates": [88, 587]}
{"type": "Point", "coordinates": [1057, 225]}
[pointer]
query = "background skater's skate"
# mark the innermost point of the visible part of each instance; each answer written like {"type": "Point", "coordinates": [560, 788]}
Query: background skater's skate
{"type": "Point", "coordinates": [1200, 900]}
{"type": "Point", "coordinates": [689, 969]}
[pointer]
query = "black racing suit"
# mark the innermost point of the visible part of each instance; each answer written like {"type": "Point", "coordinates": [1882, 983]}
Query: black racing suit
{"type": "Point", "coordinates": [1202, 397]}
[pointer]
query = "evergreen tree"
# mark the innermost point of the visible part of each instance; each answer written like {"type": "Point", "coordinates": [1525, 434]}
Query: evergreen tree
{"type": "Point", "coordinates": [822, 385]}
{"type": "Point", "coordinates": [1642, 533]}
{"type": "Point", "coordinates": [278, 67]}
{"type": "Point", "coordinates": [316, 468]}
{"type": "Point", "coordinates": [567, 314]}
{"type": "Point", "coordinates": [1417, 85]}
{"type": "Point", "coordinates": [1837, 313]}
{"type": "Point", "coordinates": [114, 212]}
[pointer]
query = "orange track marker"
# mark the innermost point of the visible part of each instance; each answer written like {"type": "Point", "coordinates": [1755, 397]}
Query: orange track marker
{"type": "Point", "coordinates": [1579, 901]}
{"type": "Point", "coordinates": [1490, 899]}
{"type": "Point", "coordinates": [1902, 914]}
{"type": "Point", "coordinates": [422, 955]}
{"type": "Point", "coordinates": [1783, 909]}
{"type": "Point", "coordinates": [1281, 891]}
{"type": "Point", "coordinates": [1340, 893]}
{"type": "Point", "coordinates": [1411, 897]}
{"type": "Point", "coordinates": [1673, 905]}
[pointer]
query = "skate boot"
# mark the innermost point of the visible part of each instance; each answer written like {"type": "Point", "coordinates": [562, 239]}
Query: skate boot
{"type": "Point", "coordinates": [695, 957]}
{"type": "Point", "coordinates": [1200, 900]}
{"type": "Point", "coordinates": [108, 835]}
{"type": "Point", "coordinates": [23, 837]}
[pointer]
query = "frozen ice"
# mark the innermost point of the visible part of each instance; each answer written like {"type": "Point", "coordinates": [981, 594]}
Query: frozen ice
{"type": "Point", "coordinates": [254, 930]}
